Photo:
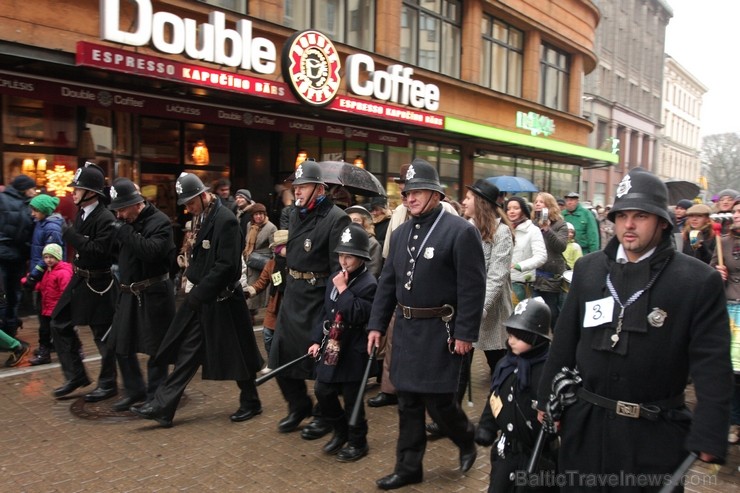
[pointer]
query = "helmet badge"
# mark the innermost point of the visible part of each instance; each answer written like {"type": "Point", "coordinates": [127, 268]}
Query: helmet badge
{"type": "Point", "coordinates": [346, 236]}
{"type": "Point", "coordinates": [624, 186]}
{"type": "Point", "coordinates": [521, 307]}
{"type": "Point", "coordinates": [299, 171]}
{"type": "Point", "coordinates": [113, 193]}
{"type": "Point", "coordinates": [410, 173]}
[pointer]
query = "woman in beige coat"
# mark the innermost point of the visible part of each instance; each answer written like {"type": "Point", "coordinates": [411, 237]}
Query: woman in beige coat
{"type": "Point", "coordinates": [498, 243]}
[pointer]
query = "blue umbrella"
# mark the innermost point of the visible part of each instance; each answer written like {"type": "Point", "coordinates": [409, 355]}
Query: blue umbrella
{"type": "Point", "coordinates": [513, 184]}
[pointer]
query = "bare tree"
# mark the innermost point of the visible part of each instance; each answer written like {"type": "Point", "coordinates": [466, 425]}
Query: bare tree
{"type": "Point", "coordinates": [721, 161]}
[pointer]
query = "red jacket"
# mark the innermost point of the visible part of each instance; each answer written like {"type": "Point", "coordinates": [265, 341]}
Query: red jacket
{"type": "Point", "coordinates": [52, 285]}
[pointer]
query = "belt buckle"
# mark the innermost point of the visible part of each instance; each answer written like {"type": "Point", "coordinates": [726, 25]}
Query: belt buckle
{"type": "Point", "coordinates": [628, 409]}
{"type": "Point", "coordinates": [406, 311]}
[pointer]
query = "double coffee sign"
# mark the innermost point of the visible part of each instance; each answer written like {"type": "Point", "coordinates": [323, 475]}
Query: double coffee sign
{"type": "Point", "coordinates": [310, 65]}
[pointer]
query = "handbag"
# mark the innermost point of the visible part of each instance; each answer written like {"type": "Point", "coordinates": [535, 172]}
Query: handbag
{"type": "Point", "coordinates": [257, 261]}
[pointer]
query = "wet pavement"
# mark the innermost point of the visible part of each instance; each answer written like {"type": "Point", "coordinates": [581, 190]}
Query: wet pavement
{"type": "Point", "coordinates": [71, 446]}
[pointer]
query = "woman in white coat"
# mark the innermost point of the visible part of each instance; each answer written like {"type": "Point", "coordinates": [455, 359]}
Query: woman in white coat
{"type": "Point", "coordinates": [498, 243]}
{"type": "Point", "coordinates": [529, 253]}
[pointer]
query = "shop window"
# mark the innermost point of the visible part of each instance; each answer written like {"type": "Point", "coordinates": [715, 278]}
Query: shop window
{"type": "Point", "coordinates": [100, 124]}
{"type": "Point", "coordinates": [554, 74]}
{"type": "Point", "coordinates": [206, 145]}
{"type": "Point", "coordinates": [123, 135]}
{"type": "Point", "coordinates": [501, 56]}
{"type": "Point", "coordinates": [239, 6]}
{"type": "Point", "coordinates": [344, 21]}
{"type": "Point", "coordinates": [51, 172]}
{"type": "Point", "coordinates": [31, 122]}
{"type": "Point", "coordinates": [160, 140]}
{"type": "Point", "coordinates": [487, 165]}
{"type": "Point", "coordinates": [425, 25]}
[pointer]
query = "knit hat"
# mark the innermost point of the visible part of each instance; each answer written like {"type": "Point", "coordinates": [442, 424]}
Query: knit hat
{"type": "Point", "coordinates": [684, 204]}
{"type": "Point", "coordinates": [45, 204]}
{"type": "Point", "coordinates": [727, 192]}
{"type": "Point", "coordinates": [255, 208]}
{"type": "Point", "coordinates": [279, 237]}
{"type": "Point", "coordinates": [522, 204]}
{"type": "Point", "coordinates": [244, 193]}
{"type": "Point", "coordinates": [54, 250]}
{"type": "Point", "coordinates": [22, 183]}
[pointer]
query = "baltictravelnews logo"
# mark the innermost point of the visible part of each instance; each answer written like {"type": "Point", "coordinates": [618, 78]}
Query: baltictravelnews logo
{"type": "Point", "coordinates": [310, 65]}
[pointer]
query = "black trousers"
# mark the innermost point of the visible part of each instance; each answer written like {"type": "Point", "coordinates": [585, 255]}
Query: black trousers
{"type": "Point", "coordinates": [45, 331]}
{"type": "Point", "coordinates": [67, 345]}
{"type": "Point", "coordinates": [295, 392]}
{"type": "Point", "coordinates": [412, 436]}
{"type": "Point", "coordinates": [133, 380]}
{"type": "Point", "coordinates": [327, 395]}
{"type": "Point", "coordinates": [189, 358]}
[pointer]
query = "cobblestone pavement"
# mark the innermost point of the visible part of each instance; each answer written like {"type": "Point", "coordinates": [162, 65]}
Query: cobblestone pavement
{"type": "Point", "coordinates": [70, 446]}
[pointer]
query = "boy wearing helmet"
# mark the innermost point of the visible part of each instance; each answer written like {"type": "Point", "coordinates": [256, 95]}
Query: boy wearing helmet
{"type": "Point", "coordinates": [514, 386]}
{"type": "Point", "coordinates": [340, 370]}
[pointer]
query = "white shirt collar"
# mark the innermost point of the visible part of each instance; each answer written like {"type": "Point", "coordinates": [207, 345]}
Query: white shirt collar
{"type": "Point", "coordinates": [88, 209]}
{"type": "Point", "coordinates": [622, 255]}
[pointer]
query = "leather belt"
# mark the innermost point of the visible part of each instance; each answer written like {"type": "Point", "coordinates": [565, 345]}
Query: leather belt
{"type": "Point", "coordinates": [228, 292]}
{"type": "Point", "coordinates": [92, 274]}
{"type": "Point", "coordinates": [307, 276]}
{"type": "Point", "coordinates": [444, 312]}
{"type": "Point", "coordinates": [137, 287]}
{"type": "Point", "coordinates": [649, 411]}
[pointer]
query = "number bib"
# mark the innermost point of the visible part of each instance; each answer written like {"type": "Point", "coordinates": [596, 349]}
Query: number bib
{"type": "Point", "coordinates": [598, 312]}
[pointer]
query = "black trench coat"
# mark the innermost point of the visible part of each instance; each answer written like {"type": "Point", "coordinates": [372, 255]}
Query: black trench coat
{"type": "Point", "coordinates": [146, 250]}
{"type": "Point", "coordinates": [310, 248]}
{"type": "Point", "coordinates": [229, 346]}
{"type": "Point", "coordinates": [80, 304]}
{"type": "Point", "coordinates": [649, 364]}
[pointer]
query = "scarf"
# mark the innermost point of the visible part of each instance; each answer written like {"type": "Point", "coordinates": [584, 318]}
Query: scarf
{"type": "Point", "coordinates": [522, 364]}
{"type": "Point", "coordinates": [254, 230]}
{"type": "Point", "coordinates": [304, 211]}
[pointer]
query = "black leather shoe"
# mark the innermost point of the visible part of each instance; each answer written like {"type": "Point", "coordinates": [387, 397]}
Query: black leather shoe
{"type": "Point", "coordinates": [350, 453]}
{"type": "Point", "coordinates": [292, 420]}
{"type": "Point", "coordinates": [125, 403]}
{"type": "Point", "coordinates": [245, 414]}
{"type": "Point", "coordinates": [316, 429]}
{"type": "Point", "coordinates": [335, 444]}
{"type": "Point", "coordinates": [147, 411]}
{"type": "Point", "coordinates": [100, 394]}
{"type": "Point", "coordinates": [467, 458]}
{"type": "Point", "coordinates": [395, 481]}
{"type": "Point", "coordinates": [434, 431]}
{"type": "Point", "coordinates": [484, 437]}
{"type": "Point", "coordinates": [70, 386]}
{"type": "Point", "coordinates": [382, 399]}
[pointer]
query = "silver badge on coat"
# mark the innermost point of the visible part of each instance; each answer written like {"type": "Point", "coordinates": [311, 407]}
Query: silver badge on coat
{"type": "Point", "coordinates": [429, 253]}
{"type": "Point", "coordinates": [307, 244]}
{"type": "Point", "coordinates": [657, 317]}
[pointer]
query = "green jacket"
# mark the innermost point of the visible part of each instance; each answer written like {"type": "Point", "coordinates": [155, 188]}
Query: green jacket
{"type": "Point", "coordinates": [587, 230]}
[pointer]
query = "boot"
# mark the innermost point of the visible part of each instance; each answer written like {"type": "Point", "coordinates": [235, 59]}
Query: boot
{"type": "Point", "coordinates": [357, 447]}
{"type": "Point", "coordinates": [339, 438]}
{"type": "Point", "coordinates": [42, 357]}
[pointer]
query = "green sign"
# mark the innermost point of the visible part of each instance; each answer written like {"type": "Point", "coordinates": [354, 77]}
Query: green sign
{"type": "Point", "coordinates": [536, 124]}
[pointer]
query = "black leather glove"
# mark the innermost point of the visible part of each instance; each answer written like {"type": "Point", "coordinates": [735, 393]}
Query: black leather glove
{"type": "Point", "coordinates": [30, 283]}
{"type": "Point", "coordinates": [66, 227]}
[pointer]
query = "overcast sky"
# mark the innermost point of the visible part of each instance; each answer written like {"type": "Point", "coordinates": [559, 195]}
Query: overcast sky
{"type": "Point", "coordinates": [703, 37]}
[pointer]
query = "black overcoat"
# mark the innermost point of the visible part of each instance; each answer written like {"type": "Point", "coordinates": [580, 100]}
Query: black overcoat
{"type": "Point", "coordinates": [450, 269]}
{"type": "Point", "coordinates": [229, 346]}
{"type": "Point", "coordinates": [651, 362]}
{"type": "Point", "coordinates": [310, 248]}
{"type": "Point", "coordinates": [145, 250]}
{"type": "Point", "coordinates": [354, 304]}
{"type": "Point", "coordinates": [89, 301]}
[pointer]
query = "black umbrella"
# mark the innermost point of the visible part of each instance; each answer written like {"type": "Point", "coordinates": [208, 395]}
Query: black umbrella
{"type": "Point", "coordinates": [356, 180]}
{"type": "Point", "coordinates": [681, 189]}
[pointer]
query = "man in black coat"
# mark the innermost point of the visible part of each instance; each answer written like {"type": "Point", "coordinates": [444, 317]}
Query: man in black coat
{"type": "Point", "coordinates": [635, 337]}
{"type": "Point", "coordinates": [146, 303]}
{"type": "Point", "coordinates": [212, 327]}
{"type": "Point", "coordinates": [434, 281]}
{"type": "Point", "coordinates": [315, 227]}
{"type": "Point", "coordinates": [90, 297]}
{"type": "Point", "coordinates": [16, 228]}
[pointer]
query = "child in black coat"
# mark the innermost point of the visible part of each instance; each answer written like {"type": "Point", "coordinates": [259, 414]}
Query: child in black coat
{"type": "Point", "coordinates": [341, 366]}
{"type": "Point", "coordinates": [515, 382]}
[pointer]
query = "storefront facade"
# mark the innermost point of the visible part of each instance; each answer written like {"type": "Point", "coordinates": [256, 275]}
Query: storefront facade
{"type": "Point", "coordinates": [148, 89]}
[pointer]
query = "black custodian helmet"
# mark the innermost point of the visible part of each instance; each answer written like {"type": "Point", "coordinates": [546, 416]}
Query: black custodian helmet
{"type": "Point", "coordinates": [640, 190]}
{"type": "Point", "coordinates": [531, 315]}
{"type": "Point", "coordinates": [354, 241]}
{"type": "Point", "coordinates": [188, 186]}
{"type": "Point", "coordinates": [422, 176]}
{"type": "Point", "coordinates": [89, 177]}
{"type": "Point", "coordinates": [123, 193]}
{"type": "Point", "coordinates": [308, 171]}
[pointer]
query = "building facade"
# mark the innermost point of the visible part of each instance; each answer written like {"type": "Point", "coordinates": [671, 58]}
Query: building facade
{"type": "Point", "coordinates": [230, 88]}
{"type": "Point", "coordinates": [622, 96]}
{"type": "Point", "coordinates": [680, 144]}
